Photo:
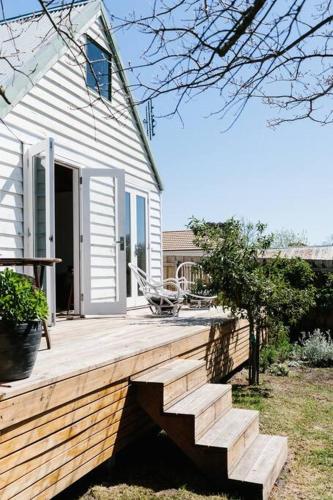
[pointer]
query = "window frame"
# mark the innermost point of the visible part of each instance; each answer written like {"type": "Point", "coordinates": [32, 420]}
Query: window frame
{"type": "Point", "coordinates": [88, 62]}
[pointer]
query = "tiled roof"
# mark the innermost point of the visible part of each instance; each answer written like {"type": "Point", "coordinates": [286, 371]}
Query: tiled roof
{"type": "Point", "coordinates": [178, 240]}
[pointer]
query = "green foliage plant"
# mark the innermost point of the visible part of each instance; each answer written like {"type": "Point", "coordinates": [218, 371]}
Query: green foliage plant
{"type": "Point", "coordinates": [20, 300]}
{"type": "Point", "coordinates": [324, 298]}
{"type": "Point", "coordinates": [275, 290]}
{"type": "Point", "coordinates": [318, 349]}
{"type": "Point", "coordinates": [277, 348]}
{"type": "Point", "coordinates": [279, 369]}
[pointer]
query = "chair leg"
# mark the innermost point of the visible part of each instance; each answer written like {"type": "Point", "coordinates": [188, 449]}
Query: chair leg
{"type": "Point", "coordinates": [46, 334]}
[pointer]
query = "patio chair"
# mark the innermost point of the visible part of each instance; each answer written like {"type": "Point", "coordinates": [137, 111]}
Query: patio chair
{"type": "Point", "coordinates": [162, 301]}
{"type": "Point", "coordinates": [187, 275]}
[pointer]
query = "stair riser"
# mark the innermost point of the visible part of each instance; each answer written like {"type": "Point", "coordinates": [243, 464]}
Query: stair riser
{"type": "Point", "coordinates": [207, 418]}
{"type": "Point", "coordinates": [236, 451]}
{"type": "Point", "coordinates": [174, 391]}
{"type": "Point", "coordinates": [276, 469]}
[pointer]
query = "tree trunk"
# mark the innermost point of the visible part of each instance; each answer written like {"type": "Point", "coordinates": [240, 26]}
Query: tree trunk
{"type": "Point", "coordinates": [257, 354]}
{"type": "Point", "coordinates": [252, 353]}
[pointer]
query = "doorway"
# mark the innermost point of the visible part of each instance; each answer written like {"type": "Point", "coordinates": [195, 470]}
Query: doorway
{"type": "Point", "coordinates": [77, 215]}
{"type": "Point", "coordinates": [65, 240]}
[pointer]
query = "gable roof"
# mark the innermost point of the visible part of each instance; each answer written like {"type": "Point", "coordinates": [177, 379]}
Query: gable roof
{"type": "Point", "coordinates": [178, 241]}
{"type": "Point", "coordinates": [32, 46]}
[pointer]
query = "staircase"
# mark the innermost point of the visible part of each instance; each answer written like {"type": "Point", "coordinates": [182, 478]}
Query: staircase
{"type": "Point", "coordinates": [224, 442]}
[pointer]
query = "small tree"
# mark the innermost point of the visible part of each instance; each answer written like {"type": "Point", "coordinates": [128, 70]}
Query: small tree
{"type": "Point", "coordinates": [286, 238]}
{"type": "Point", "coordinates": [255, 289]}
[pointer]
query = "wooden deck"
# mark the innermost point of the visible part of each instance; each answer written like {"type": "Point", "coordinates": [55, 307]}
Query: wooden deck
{"type": "Point", "coordinates": [79, 408]}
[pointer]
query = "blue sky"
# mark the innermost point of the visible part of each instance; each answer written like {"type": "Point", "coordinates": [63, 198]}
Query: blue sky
{"type": "Point", "coordinates": [283, 177]}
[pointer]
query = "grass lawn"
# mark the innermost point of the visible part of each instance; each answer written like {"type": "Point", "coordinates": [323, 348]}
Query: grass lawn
{"type": "Point", "coordinates": [299, 406]}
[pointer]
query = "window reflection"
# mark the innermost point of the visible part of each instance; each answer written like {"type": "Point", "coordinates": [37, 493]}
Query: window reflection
{"type": "Point", "coordinates": [141, 246]}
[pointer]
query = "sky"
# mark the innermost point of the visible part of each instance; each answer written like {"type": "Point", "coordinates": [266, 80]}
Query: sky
{"type": "Point", "coordinates": [282, 177]}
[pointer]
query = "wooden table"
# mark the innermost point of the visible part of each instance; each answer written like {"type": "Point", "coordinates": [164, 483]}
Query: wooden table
{"type": "Point", "coordinates": [38, 265]}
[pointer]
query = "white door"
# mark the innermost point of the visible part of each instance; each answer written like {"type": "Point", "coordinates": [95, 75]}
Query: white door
{"type": "Point", "coordinates": [137, 242]}
{"type": "Point", "coordinates": [103, 283]}
{"type": "Point", "coordinates": [39, 210]}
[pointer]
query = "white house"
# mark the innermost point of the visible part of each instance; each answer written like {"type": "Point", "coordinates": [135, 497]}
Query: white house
{"type": "Point", "coordinates": [75, 183]}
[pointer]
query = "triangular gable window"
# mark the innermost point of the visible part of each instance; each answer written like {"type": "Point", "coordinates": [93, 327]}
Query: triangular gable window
{"type": "Point", "coordinates": [98, 69]}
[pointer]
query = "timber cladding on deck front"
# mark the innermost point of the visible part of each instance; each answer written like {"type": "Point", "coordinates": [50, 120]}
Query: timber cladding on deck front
{"type": "Point", "coordinates": [54, 434]}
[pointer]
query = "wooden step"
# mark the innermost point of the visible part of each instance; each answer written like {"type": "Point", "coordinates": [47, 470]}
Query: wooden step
{"type": "Point", "coordinates": [178, 377]}
{"type": "Point", "coordinates": [224, 442]}
{"type": "Point", "coordinates": [233, 432]}
{"type": "Point", "coordinates": [261, 464]}
{"type": "Point", "coordinates": [207, 404]}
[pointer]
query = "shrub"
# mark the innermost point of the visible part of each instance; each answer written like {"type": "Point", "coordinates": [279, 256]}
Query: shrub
{"type": "Point", "coordinates": [324, 298]}
{"type": "Point", "coordinates": [20, 301]}
{"type": "Point", "coordinates": [318, 349]}
{"type": "Point", "coordinates": [279, 369]}
{"type": "Point", "coordinates": [278, 348]}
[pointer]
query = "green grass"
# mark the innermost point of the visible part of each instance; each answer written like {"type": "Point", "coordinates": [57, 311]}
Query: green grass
{"type": "Point", "coordinates": [299, 406]}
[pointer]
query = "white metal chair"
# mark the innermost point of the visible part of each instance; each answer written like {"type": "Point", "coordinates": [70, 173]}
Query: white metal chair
{"type": "Point", "coordinates": [162, 301]}
{"type": "Point", "coordinates": [188, 274]}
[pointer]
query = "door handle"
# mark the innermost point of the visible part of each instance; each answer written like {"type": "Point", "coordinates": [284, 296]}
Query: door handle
{"type": "Point", "coordinates": [121, 242]}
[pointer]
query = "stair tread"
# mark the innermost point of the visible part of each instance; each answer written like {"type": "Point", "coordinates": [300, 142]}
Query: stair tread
{"type": "Point", "coordinates": [257, 463]}
{"type": "Point", "coordinates": [227, 429]}
{"type": "Point", "coordinates": [171, 371]}
{"type": "Point", "coordinates": [194, 402]}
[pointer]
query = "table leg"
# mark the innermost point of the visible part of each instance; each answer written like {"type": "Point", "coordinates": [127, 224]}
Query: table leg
{"type": "Point", "coordinates": [39, 276]}
{"type": "Point", "coordinates": [46, 334]}
{"type": "Point", "coordinates": [36, 276]}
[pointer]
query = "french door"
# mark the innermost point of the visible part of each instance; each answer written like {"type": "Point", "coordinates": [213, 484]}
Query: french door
{"type": "Point", "coordinates": [137, 244]}
{"type": "Point", "coordinates": [102, 242]}
{"type": "Point", "coordinates": [39, 211]}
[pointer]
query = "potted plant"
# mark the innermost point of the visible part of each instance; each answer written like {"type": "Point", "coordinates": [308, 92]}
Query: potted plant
{"type": "Point", "coordinates": [22, 309]}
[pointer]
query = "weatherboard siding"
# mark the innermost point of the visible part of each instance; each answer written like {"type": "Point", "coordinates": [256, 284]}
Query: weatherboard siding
{"type": "Point", "coordinates": [60, 106]}
{"type": "Point", "coordinates": [11, 195]}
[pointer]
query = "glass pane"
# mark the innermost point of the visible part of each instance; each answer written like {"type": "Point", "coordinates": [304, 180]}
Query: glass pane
{"type": "Point", "coordinates": [141, 245]}
{"type": "Point", "coordinates": [99, 69]}
{"type": "Point", "coordinates": [39, 207]}
{"type": "Point", "coordinates": [128, 242]}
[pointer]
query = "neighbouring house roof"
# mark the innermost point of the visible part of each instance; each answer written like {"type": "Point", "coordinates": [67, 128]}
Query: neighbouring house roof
{"type": "Point", "coordinates": [320, 256]}
{"type": "Point", "coordinates": [179, 241]}
{"type": "Point", "coordinates": [30, 46]}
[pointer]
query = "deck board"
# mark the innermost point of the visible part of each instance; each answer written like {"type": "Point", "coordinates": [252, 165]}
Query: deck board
{"type": "Point", "coordinates": [83, 345]}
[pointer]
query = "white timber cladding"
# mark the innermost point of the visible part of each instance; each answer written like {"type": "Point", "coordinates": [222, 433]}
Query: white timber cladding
{"type": "Point", "coordinates": [60, 105]}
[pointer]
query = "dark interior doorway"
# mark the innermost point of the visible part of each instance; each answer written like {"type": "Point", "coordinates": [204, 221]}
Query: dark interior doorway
{"type": "Point", "coordinates": [64, 244]}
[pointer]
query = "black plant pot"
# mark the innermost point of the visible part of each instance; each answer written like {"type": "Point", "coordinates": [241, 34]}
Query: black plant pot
{"type": "Point", "coordinates": [18, 349]}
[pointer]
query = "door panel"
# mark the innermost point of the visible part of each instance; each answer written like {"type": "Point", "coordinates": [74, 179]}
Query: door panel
{"type": "Point", "coordinates": [141, 235]}
{"type": "Point", "coordinates": [39, 211]}
{"type": "Point", "coordinates": [137, 242]}
{"type": "Point", "coordinates": [102, 202]}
